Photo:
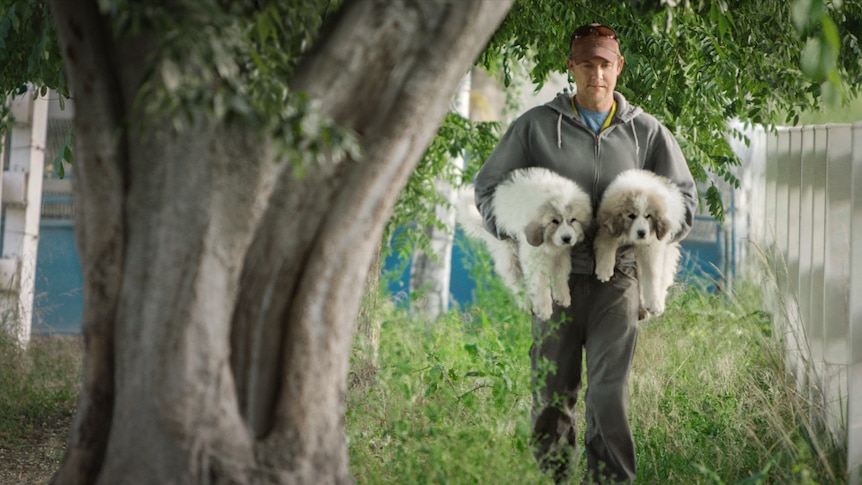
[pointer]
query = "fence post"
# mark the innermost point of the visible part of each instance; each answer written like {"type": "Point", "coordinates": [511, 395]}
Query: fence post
{"type": "Point", "coordinates": [837, 272]}
{"type": "Point", "coordinates": [854, 394]}
{"type": "Point", "coordinates": [819, 168]}
{"type": "Point", "coordinates": [22, 198]}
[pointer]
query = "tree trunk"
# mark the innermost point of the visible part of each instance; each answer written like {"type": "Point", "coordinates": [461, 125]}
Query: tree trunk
{"type": "Point", "coordinates": [220, 292]}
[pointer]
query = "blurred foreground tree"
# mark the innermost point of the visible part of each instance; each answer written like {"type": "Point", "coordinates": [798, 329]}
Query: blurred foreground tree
{"type": "Point", "coordinates": [234, 170]}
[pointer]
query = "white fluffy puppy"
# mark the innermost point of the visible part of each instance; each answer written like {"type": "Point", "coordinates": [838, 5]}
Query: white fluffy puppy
{"type": "Point", "coordinates": [647, 210]}
{"type": "Point", "coordinates": [546, 214]}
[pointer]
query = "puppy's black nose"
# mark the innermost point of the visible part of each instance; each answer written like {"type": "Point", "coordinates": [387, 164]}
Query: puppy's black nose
{"type": "Point", "coordinates": [567, 239]}
{"type": "Point", "coordinates": [641, 234]}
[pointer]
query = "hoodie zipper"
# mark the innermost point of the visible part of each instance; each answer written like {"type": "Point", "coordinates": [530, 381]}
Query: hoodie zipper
{"type": "Point", "coordinates": [596, 153]}
{"type": "Point", "coordinates": [598, 167]}
{"type": "Point", "coordinates": [595, 197]}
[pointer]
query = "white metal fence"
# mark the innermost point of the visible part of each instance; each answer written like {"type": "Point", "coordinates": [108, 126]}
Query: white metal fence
{"type": "Point", "coordinates": [802, 192]}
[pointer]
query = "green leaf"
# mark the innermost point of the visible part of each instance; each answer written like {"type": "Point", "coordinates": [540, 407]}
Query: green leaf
{"type": "Point", "coordinates": [453, 375]}
{"type": "Point", "coordinates": [472, 349]}
{"type": "Point", "coordinates": [806, 13]}
{"type": "Point", "coordinates": [58, 167]}
{"type": "Point", "coordinates": [65, 155]}
{"type": "Point", "coordinates": [830, 32]}
{"type": "Point", "coordinates": [830, 91]}
{"type": "Point", "coordinates": [818, 59]}
{"type": "Point", "coordinates": [714, 202]}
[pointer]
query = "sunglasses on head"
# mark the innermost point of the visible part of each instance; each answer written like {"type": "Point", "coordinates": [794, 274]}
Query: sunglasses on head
{"type": "Point", "coordinates": [596, 31]}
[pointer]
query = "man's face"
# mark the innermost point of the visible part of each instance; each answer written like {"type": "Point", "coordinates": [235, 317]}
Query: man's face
{"type": "Point", "coordinates": [596, 79]}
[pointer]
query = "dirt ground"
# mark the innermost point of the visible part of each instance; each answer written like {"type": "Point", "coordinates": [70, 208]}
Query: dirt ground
{"type": "Point", "coordinates": [37, 457]}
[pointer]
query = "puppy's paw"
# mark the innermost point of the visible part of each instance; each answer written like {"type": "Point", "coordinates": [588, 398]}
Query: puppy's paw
{"type": "Point", "coordinates": [543, 306]}
{"type": "Point", "coordinates": [564, 299]}
{"type": "Point", "coordinates": [543, 312]}
{"type": "Point", "coordinates": [655, 307]}
{"type": "Point", "coordinates": [604, 273]}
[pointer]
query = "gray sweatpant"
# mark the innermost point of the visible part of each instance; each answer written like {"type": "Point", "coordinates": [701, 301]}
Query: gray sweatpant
{"type": "Point", "coordinates": [601, 322]}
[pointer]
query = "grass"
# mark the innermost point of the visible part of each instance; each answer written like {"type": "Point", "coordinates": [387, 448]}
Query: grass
{"type": "Point", "coordinates": [448, 402]}
{"type": "Point", "coordinates": [37, 385]}
{"type": "Point", "coordinates": [712, 403]}
{"type": "Point", "coordinates": [38, 393]}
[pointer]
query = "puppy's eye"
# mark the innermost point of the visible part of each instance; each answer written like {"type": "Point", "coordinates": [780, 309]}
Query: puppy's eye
{"type": "Point", "coordinates": [632, 216]}
{"type": "Point", "coordinates": [573, 220]}
{"type": "Point", "coordinates": [555, 221]}
{"type": "Point", "coordinates": [649, 216]}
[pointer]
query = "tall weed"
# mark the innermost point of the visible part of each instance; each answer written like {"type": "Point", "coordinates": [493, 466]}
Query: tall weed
{"type": "Point", "coordinates": [449, 402]}
{"type": "Point", "coordinates": [38, 386]}
{"type": "Point", "coordinates": [710, 403]}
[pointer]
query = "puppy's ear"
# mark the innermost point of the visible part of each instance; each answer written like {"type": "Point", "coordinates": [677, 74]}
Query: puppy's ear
{"type": "Point", "coordinates": [661, 225]}
{"type": "Point", "coordinates": [535, 233]}
{"type": "Point", "coordinates": [616, 225]}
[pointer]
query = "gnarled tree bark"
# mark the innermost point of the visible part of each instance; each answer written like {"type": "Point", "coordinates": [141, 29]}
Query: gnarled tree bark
{"type": "Point", "coordinates": [220, 291]}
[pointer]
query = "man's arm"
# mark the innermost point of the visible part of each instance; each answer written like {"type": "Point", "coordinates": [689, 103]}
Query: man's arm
{"type": "Point", "coordinates": [669, 161]}
{"type": "Point", "coordinates": [507, 156]}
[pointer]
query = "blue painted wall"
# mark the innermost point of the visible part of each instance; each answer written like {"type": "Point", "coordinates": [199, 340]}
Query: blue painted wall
{"type": "Point", "coordinates": [57, 300]}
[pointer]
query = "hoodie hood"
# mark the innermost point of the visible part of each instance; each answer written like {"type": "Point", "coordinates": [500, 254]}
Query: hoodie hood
{"type": "Point", "coordinates": [562, 105]}
{"type": "Point", "coordinates": [626, 112]}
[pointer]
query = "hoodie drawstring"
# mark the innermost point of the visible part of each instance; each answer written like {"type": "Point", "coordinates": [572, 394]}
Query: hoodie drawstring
{"type": "Point", "coordinates": [559, 130]}
{"type": "Point", "coordinates": [635, 135]}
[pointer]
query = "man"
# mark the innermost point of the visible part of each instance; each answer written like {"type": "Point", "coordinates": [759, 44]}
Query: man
{"type": "Point", "coordinates": [590, 138]}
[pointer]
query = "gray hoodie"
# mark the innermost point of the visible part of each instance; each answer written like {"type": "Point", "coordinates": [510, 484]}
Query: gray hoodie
{"type": "Point", "coordinates": [554, 136]}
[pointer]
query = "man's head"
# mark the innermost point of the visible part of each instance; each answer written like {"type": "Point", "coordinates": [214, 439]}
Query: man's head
{"type": "Point", "coordinates": [595, 62]}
